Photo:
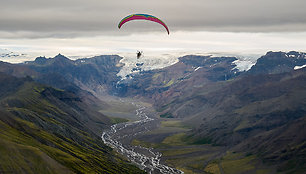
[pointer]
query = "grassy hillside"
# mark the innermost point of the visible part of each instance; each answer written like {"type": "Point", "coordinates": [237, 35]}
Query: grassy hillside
{"type": "Point", "coordinates": [45, 130]}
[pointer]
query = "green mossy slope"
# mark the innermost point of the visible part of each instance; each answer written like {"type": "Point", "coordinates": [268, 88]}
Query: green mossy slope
{"type": "Point", "coordinates": [44, 130]}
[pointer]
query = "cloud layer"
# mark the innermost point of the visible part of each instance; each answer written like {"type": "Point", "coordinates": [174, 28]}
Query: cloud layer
{"type": "Point", "coordinates": [75, 18]}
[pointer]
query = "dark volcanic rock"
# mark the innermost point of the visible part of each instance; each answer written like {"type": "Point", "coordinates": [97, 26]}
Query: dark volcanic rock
{"type": "Point", "coordinates": [278, 62]}
{"type": "Point", "coordinates": [97, 74]}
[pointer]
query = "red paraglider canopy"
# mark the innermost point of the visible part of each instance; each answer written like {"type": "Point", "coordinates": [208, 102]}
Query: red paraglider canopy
{"type": "Point", "coordinates": [142, 17]}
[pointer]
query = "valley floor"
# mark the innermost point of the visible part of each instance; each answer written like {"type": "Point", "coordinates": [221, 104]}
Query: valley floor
{"type": "Point", "coordinates": [169, 137]}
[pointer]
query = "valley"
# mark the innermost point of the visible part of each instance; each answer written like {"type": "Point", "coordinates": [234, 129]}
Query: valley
{"type": "Point", "coordinates": [199, 115]}
{"type": "Point", "coordinates": [155, 143]}
{"type": "Point", "coordinates": [121, 134]}
{"type": "Point", "coordinates": [153, 87]}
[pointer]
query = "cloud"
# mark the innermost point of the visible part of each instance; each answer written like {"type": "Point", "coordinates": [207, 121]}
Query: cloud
{"type": "Point", "coordinates": [75, 18]}
{"type": "Point", "coordinates": [157, 44]}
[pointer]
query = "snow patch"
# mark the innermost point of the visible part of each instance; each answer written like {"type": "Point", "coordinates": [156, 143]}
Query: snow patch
{"type": "Point", "coordinates": [157, 61]}
{"type": "Point", "coordinates": [149, 62]}
{"type": "Point", "coordinates": [243, 65]}
{"type": "Point", "coordinates": [299, 67]}
{"type": "Point", "coordinates": [197, 68]}
{"type": "Point", "coordinates": [245, 61]}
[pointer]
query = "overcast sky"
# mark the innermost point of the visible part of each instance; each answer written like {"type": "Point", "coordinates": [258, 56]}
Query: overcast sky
{"type": "Point", "coordinates": [73, 26]}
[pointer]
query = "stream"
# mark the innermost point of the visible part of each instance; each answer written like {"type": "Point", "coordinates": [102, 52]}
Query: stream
{"type": "Point", "coordinates": [121, 134]}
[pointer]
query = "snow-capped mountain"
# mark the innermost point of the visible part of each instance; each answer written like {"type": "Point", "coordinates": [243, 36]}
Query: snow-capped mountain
{"type": "Point", "coordinates": [132, 65]}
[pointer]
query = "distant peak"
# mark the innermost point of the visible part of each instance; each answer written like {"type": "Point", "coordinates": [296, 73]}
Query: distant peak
{"type": "Point", "coordinates": [60, 56]}
{"type": "Point", "coordinates": [284, 55]}
{"type": "Point", "coordinates": [40, 57]}
{"type": "Point", "coordinates": [40, 60]}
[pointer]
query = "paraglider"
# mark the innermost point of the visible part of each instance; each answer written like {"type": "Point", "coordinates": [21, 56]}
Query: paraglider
{"type": "Point", "coordinates": [142, 17]}
{"type": "Point", "coordinates": [139, 54]}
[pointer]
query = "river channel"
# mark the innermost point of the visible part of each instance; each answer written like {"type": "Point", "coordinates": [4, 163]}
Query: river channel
{"type": "Point", "coordinates": [120, 135]}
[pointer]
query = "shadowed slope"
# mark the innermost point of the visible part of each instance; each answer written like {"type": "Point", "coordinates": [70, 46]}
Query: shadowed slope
{"type": "Point", "coordinates": [45, 130]}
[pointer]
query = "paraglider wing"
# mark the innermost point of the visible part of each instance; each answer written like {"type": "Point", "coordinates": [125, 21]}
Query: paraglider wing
{"type": "Point", "coordinates": [142, 17]}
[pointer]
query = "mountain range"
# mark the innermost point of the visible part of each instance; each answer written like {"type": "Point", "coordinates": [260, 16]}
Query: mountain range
{"type": "Point", "coordinates": [49, 109]}
{"type": "Point", "coordinates": [260, 111]}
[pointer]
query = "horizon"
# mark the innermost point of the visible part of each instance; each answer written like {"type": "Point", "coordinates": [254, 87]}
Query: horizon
{"type": "Point", "coordinates": [81, 29]}
{"type": "Point", "coordinates": [226, 43]}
